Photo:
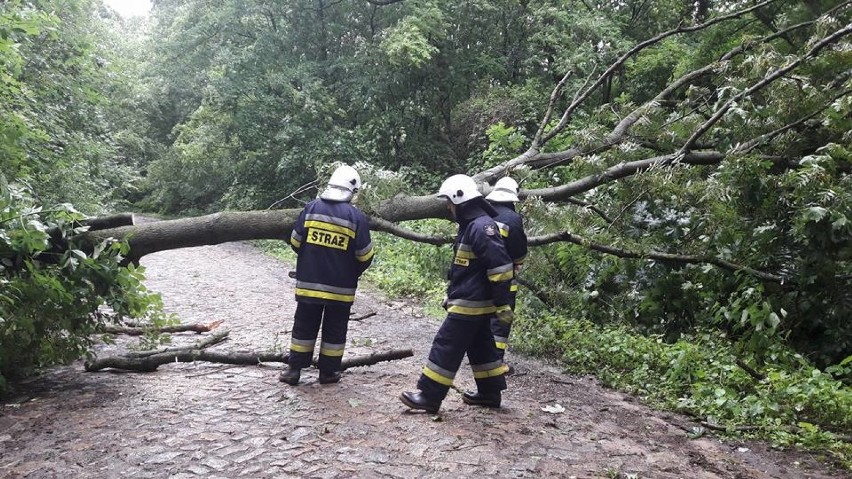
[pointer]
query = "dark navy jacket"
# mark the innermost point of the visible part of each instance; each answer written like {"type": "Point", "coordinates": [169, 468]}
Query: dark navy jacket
{"type": "Point", "coordinates": [482, 269]}
{"type": "Point", "coordinates": [332, 240]}
{"type": "Point", "coordinates": [511, 225]}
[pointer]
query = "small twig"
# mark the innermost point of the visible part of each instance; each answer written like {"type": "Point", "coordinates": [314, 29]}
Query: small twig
{"type": "Point", "coordinates": [217, 370]}
{"type": "Point", "coordinates": [751, 371]}
{"type": "Point", "coordinates": [363, 316]}
{"type": "Point", "coordinates": [303, 188]}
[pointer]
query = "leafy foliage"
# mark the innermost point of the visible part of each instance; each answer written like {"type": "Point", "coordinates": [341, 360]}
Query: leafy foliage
{"type": "Point", "coordinates": [53, 291]}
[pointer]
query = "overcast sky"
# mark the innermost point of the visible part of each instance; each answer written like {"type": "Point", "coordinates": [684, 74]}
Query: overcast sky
{"type": "Point", "coordinates": [130, 8]}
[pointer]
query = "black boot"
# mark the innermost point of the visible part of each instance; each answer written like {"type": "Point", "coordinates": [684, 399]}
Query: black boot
{"type": "Point", "coordinates": [329, 378]}
{"type": "Point", "coordinates": [290, 375]}
{"type": "Point", "coordinates": [419, 401]}
{"type": "Point", "coordinates": [480, 399]}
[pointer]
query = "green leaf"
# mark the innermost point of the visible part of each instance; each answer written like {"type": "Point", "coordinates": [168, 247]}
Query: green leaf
{"type": "Point", "coordinates": [815, 213]}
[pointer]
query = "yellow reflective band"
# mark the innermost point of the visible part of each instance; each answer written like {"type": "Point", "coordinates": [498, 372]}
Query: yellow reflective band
{"type": "Point", "coordinates": [299, 348]}
{"type": "Point", "coordinates": [504, 233]}
{"type": "Point", "coordinates": [437, 377]}
{"type": "Point", "coordinates": [471, 311]}
{"type": "Point", "coordinates": [465, 254]}
{"type": "Point", "coordinates": [500, 345]}
{"type": "Point", "coordinates": [498, 371]}
{"type": "Point", "coordinates": [505, 276]}
{"type": "Point", "coordinates": [366, 257]}
{"type": "Point", "coordinates": [296, 243]}
{"type": "Point", "coordinates": [505, 307]}
{"type": "Point", "coordinates": [330, 227]}
{"type": "Point", "coordinates": [346, 298]}
{"type": "Point", "coordinates": [514, 287]}
{"type": "Point", "coordinates": [331, 352]}
{"type": "Point", "coordinates": [328, 239]}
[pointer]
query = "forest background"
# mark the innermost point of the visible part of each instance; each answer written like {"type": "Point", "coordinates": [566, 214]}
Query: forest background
{"type": "Point", "coordinates": [685, 168]}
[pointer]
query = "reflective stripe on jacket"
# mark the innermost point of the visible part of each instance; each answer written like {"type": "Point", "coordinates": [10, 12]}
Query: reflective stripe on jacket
{"type": "Point", "coordinates": [332, 240]}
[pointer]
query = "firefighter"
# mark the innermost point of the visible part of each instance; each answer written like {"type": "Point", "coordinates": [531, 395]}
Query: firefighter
{"type": "Point", "coordinates": [332, 241]}
{"type": "Point", "coordinates": [503, 198]}
{"type": "Point", "coordinates": [480, 276]}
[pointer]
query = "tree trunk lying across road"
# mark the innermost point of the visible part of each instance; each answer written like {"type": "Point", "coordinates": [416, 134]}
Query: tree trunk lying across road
{"type": "Point", "coordinates": [199, 231]}
{"type": "Point", "coordinates": [151, 363]}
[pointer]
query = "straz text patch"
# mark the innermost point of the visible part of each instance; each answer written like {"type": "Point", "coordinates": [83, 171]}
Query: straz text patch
{"type": "Point", "coordinates": [328, 239]}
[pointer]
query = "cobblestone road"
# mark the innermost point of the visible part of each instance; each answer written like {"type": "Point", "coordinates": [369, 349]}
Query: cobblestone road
{"type": "Point", "coordinates": [210, 420]}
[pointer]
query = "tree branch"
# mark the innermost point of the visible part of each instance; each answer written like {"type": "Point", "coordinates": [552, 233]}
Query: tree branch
{"type": "Point", "coordinates": [690, 143]}
{"type": "Point", "coordinates": [654, 255]}
{"type": "Point", "coordinates": [382, 3]}
{"type": "Point", "coordinates": [621, 170]}
{"type": "Point", "coordinates": [563, 122]}
{"type": "Point", "coordinates": [151, 363]}
{"type": "Point", "coordinates": [590, 207]}
{"type": "Point", "coordinates": [379, 224]}
{"type": "Point", "coordinates": [766, 137]}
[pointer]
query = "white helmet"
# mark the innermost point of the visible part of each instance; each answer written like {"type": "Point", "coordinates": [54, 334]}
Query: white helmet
{"type": "Point", "coordinates": [505, 191]}
{"type": "Point", "coordinates": [342, 185]}
{"type": "Point", "coordinates": [459, 189]}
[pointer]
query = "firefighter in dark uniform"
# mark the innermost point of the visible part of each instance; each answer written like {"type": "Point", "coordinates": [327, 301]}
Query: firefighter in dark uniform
{"type": "Point", "coordinates": [503, 198]}
{"type": "Point", "coordinates": [480, 277]}
{"type": "Point", "coordinates": [332, 241]}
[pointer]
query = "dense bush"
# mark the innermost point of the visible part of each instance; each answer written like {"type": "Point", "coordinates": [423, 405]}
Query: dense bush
{"type": "Point", "coordinates": [53, 288]}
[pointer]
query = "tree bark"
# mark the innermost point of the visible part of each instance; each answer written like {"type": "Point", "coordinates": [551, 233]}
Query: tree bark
{"type": "Point", "coordinates": [106, 222]}
{"type": "Point", "coordinates": [152, 362]}
{"type": "Point", "coordinates": [147, 238]}
{"type": "Point", "coordinates": [181, 328]}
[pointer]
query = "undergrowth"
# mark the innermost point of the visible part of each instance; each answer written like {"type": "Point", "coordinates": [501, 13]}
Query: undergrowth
{"type": "Point", "coordinates": [788, 401]}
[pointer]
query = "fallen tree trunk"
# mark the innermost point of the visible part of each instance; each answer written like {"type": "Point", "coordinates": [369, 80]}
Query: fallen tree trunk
{"type": "Point", "coordinates": [181, 328]}
{"type": "Point", "coordinates": [152, 362]}
{"type": "Point", "coordinates": [212, 229]}
{"type": "Point", "coordinates": [106, 222]}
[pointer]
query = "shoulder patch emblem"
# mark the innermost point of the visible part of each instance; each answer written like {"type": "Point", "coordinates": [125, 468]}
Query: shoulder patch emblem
{"type": "Point", "coordinates": [490, 229]}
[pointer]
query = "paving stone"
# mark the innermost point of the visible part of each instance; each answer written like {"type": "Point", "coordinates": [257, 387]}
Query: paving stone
{"type": "Point", "coordinates": [215, 463]}
{"type": "Point", "coordinates": [163, 458]}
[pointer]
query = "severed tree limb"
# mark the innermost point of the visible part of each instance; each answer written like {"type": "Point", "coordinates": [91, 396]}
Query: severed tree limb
{"type": "Point", "coordinates": [151, 363]}
{"type": "Point", "coordinates": [215, 338]}
{"type": "Point", "coordinates": [181, 328]}
{"type": "Point", "coordinates": [376, 357]}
